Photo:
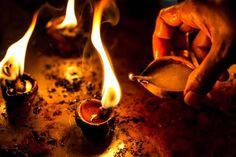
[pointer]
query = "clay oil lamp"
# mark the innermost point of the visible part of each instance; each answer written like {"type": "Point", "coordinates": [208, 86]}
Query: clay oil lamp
{"type": "Point", "coordinates": [95, 121]}
{"type": "Point", "coordinates": [18, 88]}
{"type": "Point", "coordinates": [165, 77]}
{"type": "Point", "coordinates": [95, 117]}
{"type": "Point", "coordinates": [66, 32]}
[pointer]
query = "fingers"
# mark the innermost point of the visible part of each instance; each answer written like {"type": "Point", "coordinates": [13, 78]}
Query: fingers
{"type": "Point", "coordinates": [203, 78]}
{"type": "Point", "coordinates": [172, 27]}
{"type": "Point", "coordinates": [164, 30]}
{"type": "Point", "coordinates": [201, 45]}
{"type": "Point", "coordinates": [161, 47]}
{"type": "Point", "coordinates": [164, 47]}
{"type": "Point", "coordinates": [185, 28]}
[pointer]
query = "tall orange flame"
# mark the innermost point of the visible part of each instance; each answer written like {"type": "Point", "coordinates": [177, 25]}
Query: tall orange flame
{"type": "Point", "coordinates": [70, 18]}
{"type": "Point", "coordinates": [12, 64]}
{"type": "Point", "coordinates": [111, 92]}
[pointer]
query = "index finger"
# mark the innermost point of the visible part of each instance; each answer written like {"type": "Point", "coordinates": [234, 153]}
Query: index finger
{"type": "Point", "coordinates": [166, 24]}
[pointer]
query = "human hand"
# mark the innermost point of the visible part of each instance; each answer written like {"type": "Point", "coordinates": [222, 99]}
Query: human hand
{"type": "Point", "coordinates": [214, 44]}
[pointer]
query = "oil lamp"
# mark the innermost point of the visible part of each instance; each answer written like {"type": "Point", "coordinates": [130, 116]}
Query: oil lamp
{"type": "Point", "coordinates": [18, 88]}
{"type": "Point", "coordinates": [19, 96]}
{"type": "Point", "coordinates": [93, 116]}
{"type": "Point", "coordinates": [67, 33]}
{"type": "Point", "coordinates": [165, 77]}
{"type": "Point", "coordinates": [95, 121]}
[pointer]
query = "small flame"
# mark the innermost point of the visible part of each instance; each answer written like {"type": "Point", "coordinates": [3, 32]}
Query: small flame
{"type": "Point", "coordinates": [70, 18]}
{"type": "Point", "coordinates": [111, 89]}
{"type": "Point", "coordinates": [12, 65]}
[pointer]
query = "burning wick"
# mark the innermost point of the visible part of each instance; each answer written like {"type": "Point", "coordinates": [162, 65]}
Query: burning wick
{"type": "Point", "coordinates": [102, 115]}
{"type": "Point", "coordinates": [93, 116]}
{"type": "Point", "coordinates": [19, 86]}
{"type": "Point", "coordinates": [67, 32]}
{"type": "Point", "coordinates": [16, 86]}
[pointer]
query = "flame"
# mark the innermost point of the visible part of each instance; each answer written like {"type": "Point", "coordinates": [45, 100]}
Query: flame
{"type": "Point", "coordinates": [70, 18]}
{"type": "Point", "coordinates": [12, 64]}
{"type": "Point", "coordinates": [111, 89]}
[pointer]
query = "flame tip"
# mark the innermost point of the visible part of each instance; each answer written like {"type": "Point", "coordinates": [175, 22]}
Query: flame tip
{"type": "Point", "coordinates": [111, 88]}
{"type": "Point", "coordinates": [70, 19]}
{"type": "Point", "coordinates": [15, 55]}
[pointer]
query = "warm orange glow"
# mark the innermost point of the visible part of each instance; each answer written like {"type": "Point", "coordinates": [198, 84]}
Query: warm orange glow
{"type": "Point", "coordinates": [111, 92]}
{"type": "Point", "coordinates": [70, 18]}
{"type": "Point", "coordinates": [12, 64]}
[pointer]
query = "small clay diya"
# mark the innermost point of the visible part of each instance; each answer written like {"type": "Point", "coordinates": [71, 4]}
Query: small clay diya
{"type": "Point", "coordinates": [19, 96]}
{"type": "Point", "coordinates": [165, 77]}
{"type": "Point", "coordinates": [95, 122]}
{"type": "Point", "coordinates": [69, 41]}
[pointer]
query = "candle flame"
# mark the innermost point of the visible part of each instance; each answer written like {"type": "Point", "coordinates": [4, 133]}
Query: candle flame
{"type": "Point", "coordinates": [70, 18]}
{"type": "Point", "coordinates": [111, 92]}
{"type": "Point", "coordinates": [12, 65]}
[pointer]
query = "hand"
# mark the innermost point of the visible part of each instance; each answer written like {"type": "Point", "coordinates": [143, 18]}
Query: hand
{"type": "Point", "coordinates": [214, 44]}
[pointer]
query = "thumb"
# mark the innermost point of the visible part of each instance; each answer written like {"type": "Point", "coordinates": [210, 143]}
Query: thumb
{"type": "Point", "coordinates": [202, 79]}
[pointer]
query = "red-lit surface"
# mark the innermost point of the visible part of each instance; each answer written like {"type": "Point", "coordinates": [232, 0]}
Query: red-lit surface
{"type": "Point", "coordinates": [90, 108]}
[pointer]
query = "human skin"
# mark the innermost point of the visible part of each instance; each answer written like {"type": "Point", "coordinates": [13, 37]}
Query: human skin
{"type": "Point", "coordinates": [214, 45]}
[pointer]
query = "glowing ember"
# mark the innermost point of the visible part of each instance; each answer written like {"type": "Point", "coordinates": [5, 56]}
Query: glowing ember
{"type": "Point", "coordinates": [12, 64]}
{"type": "Point", "coordinates": [70, 20]}
{"type": "Point", "coordinates": [111, 89]}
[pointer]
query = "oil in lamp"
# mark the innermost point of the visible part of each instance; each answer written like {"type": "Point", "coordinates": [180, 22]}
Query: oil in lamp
{"type": "Point", "coordinates": [95, 121]}
{"type": "Point", "coordinates": [93, 116]}
{"type": "Point", "coordinates": [67, 33]}
{"type": "Point", "coordinates": [165, 77]}
{"type": "Point", "coordinates": [18, 88]}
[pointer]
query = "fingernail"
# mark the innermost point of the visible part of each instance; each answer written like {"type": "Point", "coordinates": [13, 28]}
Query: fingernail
{"type": "Point", "coordinates": [193, 99]}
